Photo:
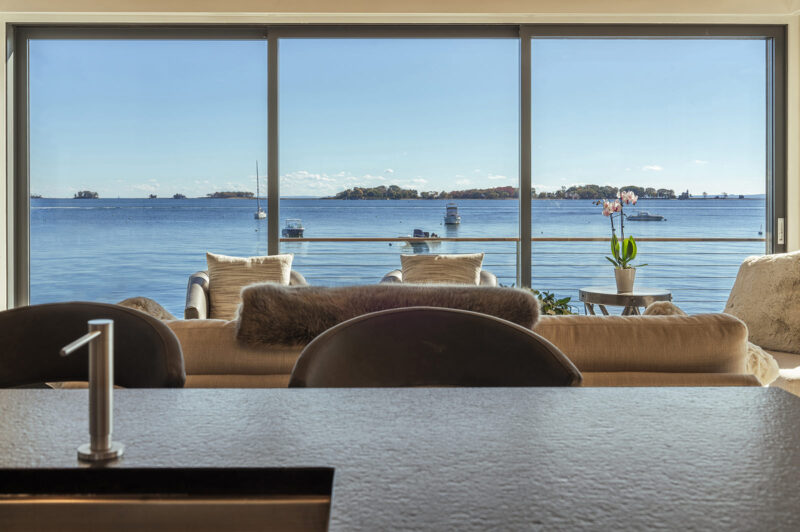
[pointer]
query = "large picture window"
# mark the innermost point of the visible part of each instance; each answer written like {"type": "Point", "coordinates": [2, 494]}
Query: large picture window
{"type": "Point", "coordinates": [421, 123]}
{"type": "Point", "coordinates": [138, 149]}
{"type": "Point", "coordinates": [136, 153]}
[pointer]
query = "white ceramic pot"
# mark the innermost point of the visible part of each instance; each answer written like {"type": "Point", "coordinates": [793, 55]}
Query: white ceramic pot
{"type": "Point", "coordinates": [624, 279]}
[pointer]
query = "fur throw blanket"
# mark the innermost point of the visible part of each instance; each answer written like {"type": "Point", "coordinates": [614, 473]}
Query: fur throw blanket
{"type": "Point", "coordinates": [294, 315]}
{"type": "Point", "coordinates": [759, 362]}
{"type": "Point", "coordinates": [148, 306]}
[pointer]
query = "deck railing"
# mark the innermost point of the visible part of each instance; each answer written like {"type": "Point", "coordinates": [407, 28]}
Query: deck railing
{"type": "Point", "coordinates": [699, 271]}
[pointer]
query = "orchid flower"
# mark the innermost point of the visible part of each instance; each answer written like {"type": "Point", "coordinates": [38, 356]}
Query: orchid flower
{"type": "Point", "coordinates": [623, 250]}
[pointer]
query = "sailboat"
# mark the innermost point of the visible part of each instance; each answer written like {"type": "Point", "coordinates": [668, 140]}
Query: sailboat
{"type": "Point", "coordinates": [259, 214]}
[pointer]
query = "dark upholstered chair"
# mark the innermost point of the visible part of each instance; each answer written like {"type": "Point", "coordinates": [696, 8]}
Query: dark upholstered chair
{"type": "Point", "coordinates": [146, 352]}
{"type": "Point", "coordinates": [427, 346]}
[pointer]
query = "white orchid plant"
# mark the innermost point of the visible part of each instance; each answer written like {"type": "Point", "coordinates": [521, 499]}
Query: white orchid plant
{"type": "Point", "coordinates": [623, 250]}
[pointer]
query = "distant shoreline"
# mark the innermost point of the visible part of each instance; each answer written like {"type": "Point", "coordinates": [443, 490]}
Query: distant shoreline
{"type": "Point", "coordinates": [729, 198]}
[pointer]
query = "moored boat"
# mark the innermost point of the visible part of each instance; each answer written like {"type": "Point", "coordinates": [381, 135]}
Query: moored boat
{"type": "Point", "coordinates": [259, 214]}
{"type": "Point", "coordinates": [451, 216]}
{"type": "Point", "coordinates": [293, 228]}
{"type": "Point", "coordinates": [421, 246]}
{"type": "Point", "coordinates": [644, 216]}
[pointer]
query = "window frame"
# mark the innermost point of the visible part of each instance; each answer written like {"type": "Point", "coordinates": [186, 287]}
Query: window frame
{"type": "Point", "coordinates": [18, 182]}
{"type": "Point", "coordinates": [775, 81]}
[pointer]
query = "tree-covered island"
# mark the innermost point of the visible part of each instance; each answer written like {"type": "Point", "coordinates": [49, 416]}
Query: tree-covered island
{"type": "Point", "coordinates": [231, 195]}
{"type": "Point", "coordinates": [86, 194]}
{"type": "Point", "coordinates": [606, 192]}
{"type": "Point", "coordinates": [573, 192]}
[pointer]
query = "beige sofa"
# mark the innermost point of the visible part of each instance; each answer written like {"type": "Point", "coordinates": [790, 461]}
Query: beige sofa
{"type": "Point", "coordinates": [701, 350]}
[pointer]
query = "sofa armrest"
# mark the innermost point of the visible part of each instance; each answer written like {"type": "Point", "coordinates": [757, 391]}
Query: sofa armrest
{"type": "Point", "coordinates": [210, 348]}
{"type": "Point", "coordinates": [703, 343]}
{"type": "Point", "coordinates": [297, 279]}
{"type": "Point", "coordinates": [394, 276]}
{"type": "Point", "coordinates": [488, 279]}
{"type": "Point", "coordinates": [197, 297]}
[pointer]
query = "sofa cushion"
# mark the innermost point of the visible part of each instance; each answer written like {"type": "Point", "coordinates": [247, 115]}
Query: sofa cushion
{"type": "Point", "coordinates": [764, 296]}
{"type": "Point", "coordinates": [273, 314]}
{"type": "Point", "coordinates": [663, 378]}
{"type": "Point", "coordinates": [450, 269]}
{"type": "Point", "coordinates": [210, 348]}
{"type": "Point", "coordinates": [703, 343]}
{"type": "Point", "coordinates": [227, 275]}
{"type": "Point", "coordinates": [759, 363]}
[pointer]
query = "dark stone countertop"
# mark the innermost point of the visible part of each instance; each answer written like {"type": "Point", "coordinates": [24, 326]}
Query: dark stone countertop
{"type": "Point", "coordinates": [456, 458]}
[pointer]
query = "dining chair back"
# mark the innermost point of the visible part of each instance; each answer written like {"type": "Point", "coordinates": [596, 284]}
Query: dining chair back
{"type": "Point", "coordinates": [147, 353]}
{"type": "Point", "coordinates": [431, 346]}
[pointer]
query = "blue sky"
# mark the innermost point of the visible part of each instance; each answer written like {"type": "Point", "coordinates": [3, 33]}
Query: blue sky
{"type": "Point", "coordinates": [130, 118]}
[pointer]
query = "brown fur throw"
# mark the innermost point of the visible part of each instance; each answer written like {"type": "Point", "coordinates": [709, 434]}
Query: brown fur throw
{"type": "Point", "coordinates": [272, 314]}
{"type": "Point", "coordinates": [148, 306]}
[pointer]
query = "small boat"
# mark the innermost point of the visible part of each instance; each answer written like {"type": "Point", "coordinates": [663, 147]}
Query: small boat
{"type": "Point", "coordinates": [761, 230]}
{"type": "Point", "coordinates": [293, 228]}
{"type": "Point", "coordinates": [421, 246]}
{"type": "Point", "coordinates": [153, 196]}
{"type": "Point", "coordinates": [451, 216]}
{"type": "Point", "coordinates": [644, 216]}
{"type": "Point", "coordinates": [260, 214]}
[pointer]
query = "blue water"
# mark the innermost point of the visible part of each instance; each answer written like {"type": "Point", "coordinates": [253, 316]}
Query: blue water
{"type": "Point", "coordinates": [112, 249]}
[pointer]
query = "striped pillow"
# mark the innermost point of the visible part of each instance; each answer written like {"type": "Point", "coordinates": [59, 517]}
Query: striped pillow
{"type": "Point", "coordinates": [228, 275]}
{"type": "Point", "coordinates": [434, 269]}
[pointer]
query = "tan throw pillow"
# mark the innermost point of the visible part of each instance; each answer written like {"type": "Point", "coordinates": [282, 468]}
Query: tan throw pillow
{"type": "Point", "coordinates": [764, 296]}
{"type": "Point", "coordinates": [430, 269]}
{"type": "Point", "coordinates": [228, 275]}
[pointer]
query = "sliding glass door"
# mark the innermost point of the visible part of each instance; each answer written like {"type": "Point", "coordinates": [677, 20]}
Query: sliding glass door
{"type": "Point", "coordinates": [682, 122]}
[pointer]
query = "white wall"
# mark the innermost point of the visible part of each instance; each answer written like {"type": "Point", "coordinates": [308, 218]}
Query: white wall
{"type": "Point", "coordinates": [422, 11]}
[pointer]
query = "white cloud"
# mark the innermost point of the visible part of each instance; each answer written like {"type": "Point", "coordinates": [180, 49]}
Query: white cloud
{"type": "Point", "coordinates": [364, 179]}
{"type": "Point", "coordinates": [463, 181]}
{"type": "Point", "coordinates": [545, 188]}
{"type": "Point", "coordinates": [494, 177]}
{"type": "Point", "coordinates": [303, 175]}
{"type": "Point", "coordinates": [700, 161]}
{"type": "Point", "coordinates": [419, 180]}
{"type": "Point", "coordinates": [388, 171]}
{"type": "Point", "coordinates": [146, 187]}
{"type": "Point", "coordinates": [652, 167]}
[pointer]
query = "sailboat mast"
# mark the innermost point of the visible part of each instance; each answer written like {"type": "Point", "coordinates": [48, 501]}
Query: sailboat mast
{"type": "Point", "coordinates": [258, 193]}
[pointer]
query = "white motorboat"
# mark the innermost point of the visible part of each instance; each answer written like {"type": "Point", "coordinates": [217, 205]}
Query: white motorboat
{"type": "Point", "coordinates": [644, 216]}
{"type": "Point", "coordinates": [451, 216]}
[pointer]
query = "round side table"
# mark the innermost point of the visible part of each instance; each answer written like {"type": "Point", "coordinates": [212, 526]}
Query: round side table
{"type": "Point", "coordinates": [604, 296]}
